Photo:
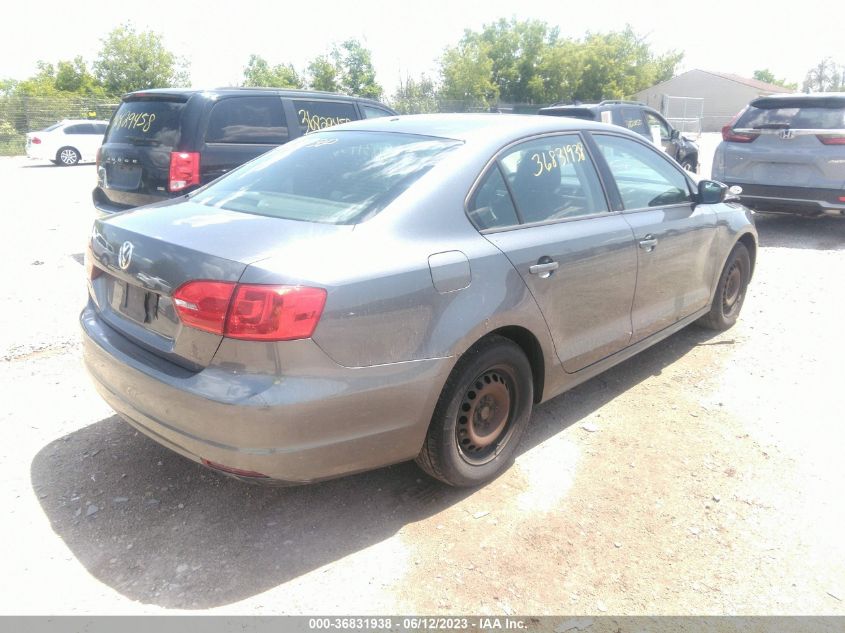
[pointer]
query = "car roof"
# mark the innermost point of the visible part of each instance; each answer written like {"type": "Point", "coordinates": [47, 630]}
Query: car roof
{"type": "Point", "coordinates": [821, 99]}
{"type": "Point", "coordinates": [232, 91]}
{"type": "Point", "coordinates": [470, 127]}
{"type": "Point", "coordinates": [75, 121]}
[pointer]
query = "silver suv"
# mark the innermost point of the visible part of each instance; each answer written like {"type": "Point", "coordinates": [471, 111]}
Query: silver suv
{"type": "Point", "coordinates": [787, 152]}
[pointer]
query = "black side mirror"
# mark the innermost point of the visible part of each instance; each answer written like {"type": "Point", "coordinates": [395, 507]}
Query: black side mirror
{"type": "Point", "coordinates": [675, 135]}
{"type": "Point", "coordinates": [711, 192]}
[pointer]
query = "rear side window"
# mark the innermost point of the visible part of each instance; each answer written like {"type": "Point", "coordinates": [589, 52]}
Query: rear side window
{"type": "Point", "coordinates": [146, 122]}
{"type": "Point", "coordinates": [258, 120]}
{"type": "Point", "coordinates": [632, 118]}
{"type": "Point", "coordinates": [80, 128]}
{"type": "Point", "coordinates": [644, 178]}
{"type": "Point", "coordinates": [334, 178]}
{"type": "Point", "coordinates": [807, 118]}
{"type": "Point", "coordinates": [318, 115]}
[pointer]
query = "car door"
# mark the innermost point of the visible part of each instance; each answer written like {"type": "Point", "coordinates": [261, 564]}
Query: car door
{"type": "Point", "coordinates": [79, 136]}
{"type": "Point", "coordinates": [542, 204]}
{"type": "Point", "coordinates": [674, 235]}
{"type": "Point", "coordinates": [238, 129]}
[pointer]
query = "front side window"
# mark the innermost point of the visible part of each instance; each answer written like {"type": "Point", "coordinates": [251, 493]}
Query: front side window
{"type": "Point", "coordinates": [553, 178]}
{"type": "Point", "coordinates": [334, 178]}
{"type": "Point", "coordinates": [643, 176]}
{"type": "Point", "coordinates": [660, 124]}
{"type": "Point", "coordinates": [372, 112]}
{"type": "Point", "coordinates": [318, 115]}
{"type": "Point", "coordinates": [250, 120]}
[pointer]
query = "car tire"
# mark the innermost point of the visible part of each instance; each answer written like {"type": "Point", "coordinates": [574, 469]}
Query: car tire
{"type": "Point", "coordinates": [480, 416]}
{"type": "Point", "coordinates": [730, 292]}
{"type": "Point", "coordinates": [67, 156]}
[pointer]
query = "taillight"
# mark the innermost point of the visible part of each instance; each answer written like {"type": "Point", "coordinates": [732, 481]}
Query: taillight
{"type": "Point", "coordinates": [730, 136]}
{"type": "Point", "coordinates": [831, 139]}
{"type": "Point", "coordinates": [91, 271]}
{"type": "Point", "coordinates": [275, 313]}
{"type": "Point", "coordinates": [204, 304]}
{"type": "Point", "coordinates": [184, 170]}
{"type": "Point", "coordinates": [99, 156]}
{"type": "Point", "coordinates": [36, 140]}
{"type": "Point", "coordinates": [249, 311]}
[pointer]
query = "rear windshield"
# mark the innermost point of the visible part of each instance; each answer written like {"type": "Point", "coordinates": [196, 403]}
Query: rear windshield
{"type": "Point", "coordinates": [796, 118]}
{"type": "Point", "coordinates": [146, 122]}
{"type": "Point", "coordinates": [52, 127]}
{"type": "Point", "coordinates": [334, 178]}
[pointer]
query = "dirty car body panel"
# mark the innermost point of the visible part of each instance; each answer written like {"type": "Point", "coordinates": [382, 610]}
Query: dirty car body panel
{"type": "Point", "coordinates": [411, 284]}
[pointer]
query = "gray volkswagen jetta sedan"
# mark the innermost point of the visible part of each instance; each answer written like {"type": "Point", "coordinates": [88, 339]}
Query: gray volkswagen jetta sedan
{"type": "Point", "coordinates": [403, 288]}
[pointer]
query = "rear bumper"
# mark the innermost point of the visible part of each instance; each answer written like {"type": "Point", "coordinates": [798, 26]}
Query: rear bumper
{"type": "Point", "coordinates": [795, 200]}
{"type": "Point", "coordinates": [311, 419]}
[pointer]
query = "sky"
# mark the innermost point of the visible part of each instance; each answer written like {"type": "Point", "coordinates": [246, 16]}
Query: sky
{"type": "Point", "coordinates": [407, 38]}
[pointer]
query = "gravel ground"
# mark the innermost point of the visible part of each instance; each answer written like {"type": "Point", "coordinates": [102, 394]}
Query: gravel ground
{"type": "Point", "coordinates": [703, 476]}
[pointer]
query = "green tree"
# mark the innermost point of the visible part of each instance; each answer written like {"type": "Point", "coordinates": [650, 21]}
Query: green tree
{"type": "Point", "coordinates": [129, 60]}
{"type": "Point", "coordinates": [323, 74]}
{"type": "Point", "coordinates": [826, 76]}
{"type": "Point", "coordinates": [768, 77]}
{"type": "Point", "coordinates": [258, 73]}
{"type": "Point", "coordinates": [415, 97]}
{"type": "Point", "coordinates": [74, 76]}
{"type": "Point", "coordinates": [355, 70]}
{"type": "Point", "coordinates": [467, 76]}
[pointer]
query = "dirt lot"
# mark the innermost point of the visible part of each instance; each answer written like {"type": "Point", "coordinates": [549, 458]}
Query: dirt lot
{"type": "Point", "coordinates": [703, 476]}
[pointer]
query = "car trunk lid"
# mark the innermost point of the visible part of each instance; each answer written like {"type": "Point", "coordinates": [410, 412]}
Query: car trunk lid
{"type": "Point", "coordinates": [141, 257]}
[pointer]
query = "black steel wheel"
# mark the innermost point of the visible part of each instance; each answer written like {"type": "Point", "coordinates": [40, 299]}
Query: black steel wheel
{"type": "Point", "coordinates": [481, 414]}
{"type": "Point", "coordinates": [730, 292]}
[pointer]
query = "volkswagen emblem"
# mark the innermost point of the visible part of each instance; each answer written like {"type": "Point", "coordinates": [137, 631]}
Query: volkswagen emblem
{"type": "Point", "coordinates": [124, 257]}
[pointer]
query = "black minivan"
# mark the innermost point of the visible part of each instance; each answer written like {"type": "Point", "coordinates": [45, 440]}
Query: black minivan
{"type": "Point", "coordinates": [163, 143]}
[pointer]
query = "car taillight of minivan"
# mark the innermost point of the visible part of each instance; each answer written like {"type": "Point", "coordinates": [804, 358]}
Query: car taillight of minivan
{"type": "Point", "coordinates": [831, 139]}
{"type": "Point", "coordinates": [252, 312]}
{"type": "Point", "coordinates": [730, 136]}
{"type": "Point", "coordinates": [184, 170]}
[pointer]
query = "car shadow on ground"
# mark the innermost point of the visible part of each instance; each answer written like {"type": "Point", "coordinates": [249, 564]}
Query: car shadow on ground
{"type": "Point", "coordinates": [789, 231]}
{"type": "Point", "coordinates": [161, 529]}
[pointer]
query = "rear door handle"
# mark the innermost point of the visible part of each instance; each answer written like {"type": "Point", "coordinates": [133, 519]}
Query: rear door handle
{"type": "Point", "coordinates": [543, 270]}
{"type": "Point", "coordinates": [648, 242]}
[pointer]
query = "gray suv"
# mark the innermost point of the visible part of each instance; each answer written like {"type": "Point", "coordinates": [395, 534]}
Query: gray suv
{"type": "Point", "coordinates": [787, 152]}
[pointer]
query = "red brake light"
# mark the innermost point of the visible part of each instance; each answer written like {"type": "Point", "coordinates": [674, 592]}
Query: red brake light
{"type": "Point", "coordinates": [36, 140]}
{"type": "Point", "coordinates": [275, 313]}
{"type": "Point", "coordinates": [204, 304]}
{"type": "Point", "coordinates": [250, 312]}
{"type": "Point", "coordinates": [831, 139]}
{"type": "Point", "coordinates": [184, 170]}
{"type": "Point", "coordinates": [730, 136]}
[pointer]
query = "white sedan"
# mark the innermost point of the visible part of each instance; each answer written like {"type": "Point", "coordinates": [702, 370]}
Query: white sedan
{"type": "Point", "coordinates": [67, 142]}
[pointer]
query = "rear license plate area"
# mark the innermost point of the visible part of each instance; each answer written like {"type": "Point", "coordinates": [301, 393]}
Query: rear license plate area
{"type": "Point", "coordinates": [124, 177]}
{"type": "Point", "coordinates": [133, 302]}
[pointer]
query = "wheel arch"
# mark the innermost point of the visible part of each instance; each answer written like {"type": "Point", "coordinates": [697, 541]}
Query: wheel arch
{"type": "Point", "coordinates": [532, 349]}
{"type": "Point", "coordinates": [747, 240]}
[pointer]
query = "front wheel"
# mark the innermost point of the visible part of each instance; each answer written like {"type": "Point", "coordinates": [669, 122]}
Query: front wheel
{"type": "Point", "coordinates": [67, 156]}
{"type": "Point", "coordinates": [730, 292]}
{"type": "Point", "coordinates": [480, 416]}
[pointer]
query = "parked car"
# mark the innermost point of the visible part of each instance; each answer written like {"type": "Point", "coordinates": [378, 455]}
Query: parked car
{"type": "Point", "coordinates": [639, 118]}
{"type": "Point", "coordinates": [402, 288]}
{"type": "Point", "coordinates": [165, 143]}
{"type": "Point", "coordinates": [67, 142]}
{"type": "Point", "coordinates": [787, 153]}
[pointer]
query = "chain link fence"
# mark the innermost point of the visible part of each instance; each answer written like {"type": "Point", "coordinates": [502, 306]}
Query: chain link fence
{"type": "Point", "coordinates": [20, 114]}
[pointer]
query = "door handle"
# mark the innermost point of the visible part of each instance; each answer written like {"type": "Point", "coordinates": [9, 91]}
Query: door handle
{"type": "Point", "coordinates": [648, 243]}
{"type": "Point", "coordinates": [543, 269]}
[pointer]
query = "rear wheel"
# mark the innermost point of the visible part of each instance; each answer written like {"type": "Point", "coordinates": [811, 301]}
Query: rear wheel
{"type": "Point", "coordinates": [67, 156]}
{"type": "Point", "coordinates": [730, 293]}
{"type": "Point", "coordinates": [482, 412]}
